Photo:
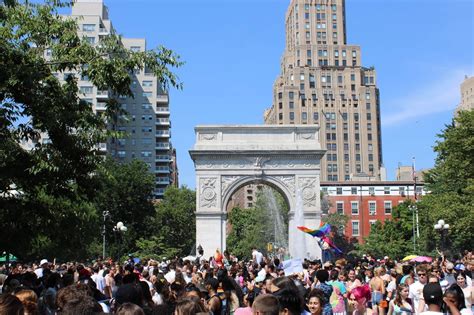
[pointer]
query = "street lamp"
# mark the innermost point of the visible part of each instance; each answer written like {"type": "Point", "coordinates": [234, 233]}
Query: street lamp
{"type": "Point", "coordinates": [105, 215]}
{"type": "Point", "coordinates": [442, 228]}
{"type": "Point", "coordinates": [120, 228]}
{"type": "Point", "coordinates": [416, 230]}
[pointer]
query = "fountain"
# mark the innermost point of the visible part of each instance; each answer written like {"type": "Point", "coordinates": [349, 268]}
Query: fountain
{"type": "Point", "coordinates": [276, 222]}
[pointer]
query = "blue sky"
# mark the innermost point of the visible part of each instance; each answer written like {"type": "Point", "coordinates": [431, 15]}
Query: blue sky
{"type": "Point", "coordinates": [421, 50]}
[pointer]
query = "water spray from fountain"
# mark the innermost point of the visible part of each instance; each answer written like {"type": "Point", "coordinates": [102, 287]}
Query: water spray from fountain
{"type": "Point", "coordinates": [276, 222]}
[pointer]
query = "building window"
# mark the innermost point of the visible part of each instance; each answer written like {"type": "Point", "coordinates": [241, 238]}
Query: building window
{"type": "Point", "coordinates": [316, 116]}
{"type": "Point", "coordinates": [354, 207]}
{"type": "Point", "coordinates": [369, 137]}
{"type": "Point", "coordinates": [340, 207]}
{"type": "Point", "coordinates": [88, 27]}
{"type": "Point", "coordinates": [291, 105]}
{"type": "Point", "coordinates": [371, 157]}
{"type": "Point", "coordinates": [372, 208]}
{"type": "Point", "coordinates": [147, 83]}
{"type": "Point", "coordinates": [339, 190]}
{"type": "Point", "coordinates": [292, 116]}
{"type": "Point", "coordinates": [354, 190]}
{"type": "Point", "coordinates": [146, 153]}
{"type": "Point", "coordinates": [402, 191]}
{"type": "Point", "coordinates": [386, 190]}
{"type": "Point", "coordinates": [147, 94]}
{"type": "Point", "coordinates": [86, 89]}
{"type": "Point", "coordinates": [369, 116]}
{"type": "Point", "coordinates": [90, 40]}
{"type": "Point", "coordinates": [387, 205]}
{"type": "Point", "coordinates": [304, 116]}
{"type": "Point", "coordinates": [291, 95]}
{"type": "Point", "coordinates": [355, 228]}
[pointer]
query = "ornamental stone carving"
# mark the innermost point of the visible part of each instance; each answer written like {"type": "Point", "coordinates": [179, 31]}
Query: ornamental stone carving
{"type": "Point", "coordinates": [208, 136]}
{"type": "Point", "coordinates": [310, 195]}
{"type": "Point", "coordinates": [306, 136]}
{"type": "Point", "coordinates": [288, 181]}
{"type": "Point", "coordinates": [226, 181]}
{"type": "Point", "coordinates": [208, 192]}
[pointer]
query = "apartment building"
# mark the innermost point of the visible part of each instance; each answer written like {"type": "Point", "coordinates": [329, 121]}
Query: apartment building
{"type": "Point", "coordinates": [323, 82]}
{"type": "Point", "coordinates": [146, 127]}
{"type": "Point", "coordinates": [365, 203]}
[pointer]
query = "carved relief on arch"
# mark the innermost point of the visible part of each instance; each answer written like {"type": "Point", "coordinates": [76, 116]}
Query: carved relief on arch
{"type": "Point", "coordinates": [308, 190]}
{"type": "Point", "coordinates": [208, 136]}
{"type": "Point", "coordinates": [288, 181]}
{"type": "Point", "coordinates": [207, 192]}
{"type": "Point", "coordinates": [226, 181]}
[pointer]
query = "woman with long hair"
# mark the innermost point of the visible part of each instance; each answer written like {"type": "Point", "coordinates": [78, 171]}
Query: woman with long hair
{"type": "Point", "coordinates": [455, 296]}
{"type": "Point", "coordinates": [401, 305]}
{"type": "Point", "coordinates": [29, 299]}
{"type": "Point", "coordinates": [461, 280]}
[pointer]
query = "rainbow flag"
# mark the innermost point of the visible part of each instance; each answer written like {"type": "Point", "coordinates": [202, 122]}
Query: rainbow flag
{"type": "Point", "coordinates": [322, 231]}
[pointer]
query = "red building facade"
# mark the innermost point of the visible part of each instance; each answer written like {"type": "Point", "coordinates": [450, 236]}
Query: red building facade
{"type": "Point", "coordinates": [367, 202]}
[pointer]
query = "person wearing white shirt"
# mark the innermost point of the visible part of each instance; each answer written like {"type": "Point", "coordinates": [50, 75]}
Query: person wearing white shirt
{"type": "Point", "coordinates": [257, 256]}
{"type": "Point", "coordinates": [416, 291]}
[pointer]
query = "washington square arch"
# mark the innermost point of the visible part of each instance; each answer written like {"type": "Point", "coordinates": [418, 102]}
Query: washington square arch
{"type": "Point", "coordinates": [227, 157]}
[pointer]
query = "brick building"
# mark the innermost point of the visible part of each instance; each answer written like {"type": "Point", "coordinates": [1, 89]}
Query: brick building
{"type": "Point", "coordinates": [367, 202]}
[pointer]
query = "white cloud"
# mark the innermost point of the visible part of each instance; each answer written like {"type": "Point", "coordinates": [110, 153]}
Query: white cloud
{"type": "Point", "coordinates": [435, 97]}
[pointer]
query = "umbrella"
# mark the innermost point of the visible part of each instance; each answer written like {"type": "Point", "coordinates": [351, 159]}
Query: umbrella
{"type": "Point", "coordinates": [10, 256]}
{"type": "Point", "coordinates": [409, 257]}
{"type": "Point", "coordinates": [422, 259]}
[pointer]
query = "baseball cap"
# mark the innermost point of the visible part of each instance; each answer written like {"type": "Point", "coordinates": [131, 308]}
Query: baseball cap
{"type": "Point", "coordinates": [460, 267]}
{"type": "Point", "coordinates": [432, 293]}
{"type": "Point", "coordinates": [450, 266]}
{"type": "Point", "coordinates": [43, 261]}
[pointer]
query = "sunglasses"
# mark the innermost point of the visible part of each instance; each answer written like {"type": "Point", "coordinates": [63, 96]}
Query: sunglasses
{"type": "Point", "coordinates": [422, 275]}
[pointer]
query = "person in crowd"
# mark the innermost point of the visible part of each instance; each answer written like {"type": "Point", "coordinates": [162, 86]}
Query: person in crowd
{"type": "Point", "coordinates": [189, 306]}
{"type": "Point", "coordinates": [433, 297]}
{"type": "Point", "coordinates": [337, 299]}
{"type": "Point", "coordinates": [129, 309]}
{"type": "Point", "coordinates": [266, 304]}
{"type": "Point", "coordinates": [323, 276]}
{"type": "Point", "coordinates": [358, 299]}
{"type": "Point", "coordinates": [214, 303]}
{"type": "Point", "coordinates": [29, 299]}
{"type": "Point", "coordinates": [401, 304]}
{"type": "Point", "coordinates": [461, 281]}
{"type": "Point", "coordinates": [416, 290]}
{"type": "Point", "coordinates": [454, 295]}
{"type": "Point", "coordinates": [315, 302]}
{"type": "Point", "coordinates": [377, 287]}
{"type": "Point", "coordinates": [11, 305]}
{"type": "Point", "coordinates": [247, 308]}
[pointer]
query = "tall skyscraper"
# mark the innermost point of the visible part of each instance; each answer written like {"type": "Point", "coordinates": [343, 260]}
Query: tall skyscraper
{"type": "Point", "coordinates": [147, 126]}
{"type": "Point", "coordinates": [323, 82]}
{"type": "Point", "coordinates": [467, 94]}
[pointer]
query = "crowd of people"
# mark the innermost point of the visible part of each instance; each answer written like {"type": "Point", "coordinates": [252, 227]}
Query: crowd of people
{"type": "Point", "coordinates": [224, 285]}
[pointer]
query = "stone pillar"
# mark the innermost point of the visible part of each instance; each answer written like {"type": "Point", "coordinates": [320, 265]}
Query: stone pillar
{"type": "Point", "coordinates": [210, 232]}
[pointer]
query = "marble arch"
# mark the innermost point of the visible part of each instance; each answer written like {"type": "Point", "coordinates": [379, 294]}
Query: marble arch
{"type": "Point", "coordinates": [228, 157]}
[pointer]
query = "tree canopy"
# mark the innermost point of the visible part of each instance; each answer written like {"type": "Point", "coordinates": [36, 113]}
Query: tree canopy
{"type": "Point", "coordinates": [50, 187]}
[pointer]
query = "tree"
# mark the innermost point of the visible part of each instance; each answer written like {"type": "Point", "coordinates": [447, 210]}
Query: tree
{"type": "Point", "coordinates": [394, 237]}
{"type": "Point", "coordinates": [49, 188]}
{"type": "Point", "coordinates": [125, 192]}
{"type": "Point", "coordinates": [174, 224]}
{"type": "Point", "coordinates": [451, 186]}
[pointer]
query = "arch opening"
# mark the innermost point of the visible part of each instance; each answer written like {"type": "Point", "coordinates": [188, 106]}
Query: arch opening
{"type": "Point", "coordinates": [257, 217]}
